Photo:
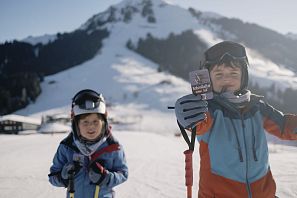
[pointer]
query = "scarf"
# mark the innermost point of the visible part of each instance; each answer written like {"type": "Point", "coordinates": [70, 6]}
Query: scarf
{"type": "Point", "coordinates": [239, 100]}
{"type": "Point", "coordinates": [88, 149]}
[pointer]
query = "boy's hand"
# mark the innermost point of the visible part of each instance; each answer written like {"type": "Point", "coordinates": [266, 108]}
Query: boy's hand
{"type": "Point", "coordinates": [190, 109]}
{"type": "Point", "coordinates": [97, 172]}
{"type": "Point", "coordinates": [70, 168]}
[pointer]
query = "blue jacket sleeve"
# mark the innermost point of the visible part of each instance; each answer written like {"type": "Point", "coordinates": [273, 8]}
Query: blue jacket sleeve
{"type": "Point", "coordinates": [60, 159]}
{"type": "Point", "coordinates": [119, 172]}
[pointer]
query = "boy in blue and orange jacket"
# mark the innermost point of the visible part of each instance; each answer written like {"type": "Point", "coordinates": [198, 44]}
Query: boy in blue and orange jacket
{"type": "Point", "coordinates": [231, 129]}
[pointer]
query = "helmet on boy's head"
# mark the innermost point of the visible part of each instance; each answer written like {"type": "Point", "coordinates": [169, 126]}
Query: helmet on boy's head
{"type": "Point", "coordinates": [84, 102]}
{"type": "Point", "coordinates": [226, 52]}
{"type": "Point", "coordinates": [88, 101]}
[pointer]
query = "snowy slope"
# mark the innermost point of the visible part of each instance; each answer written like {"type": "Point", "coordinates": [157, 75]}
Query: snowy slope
{"type": "Point", "coordinates": [125, 77]}
{"type": "Point", "coordinates": [155, 171]}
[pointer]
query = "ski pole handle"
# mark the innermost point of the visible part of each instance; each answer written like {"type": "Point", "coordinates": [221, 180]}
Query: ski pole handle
{"type": "Point", "coordinates": [71, 185]}
{"type": "Point", "coordinates": [189, 191]}
{"type": "Point", "coordinates": [189, 171]}
{"type": "Point", "coordinates": [189, 167]}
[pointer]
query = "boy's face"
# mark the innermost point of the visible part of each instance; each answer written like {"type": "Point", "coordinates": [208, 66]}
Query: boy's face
{"type": "Point", "coordinates": [90, 127]}
{"type": "Point", "coordinates": [225, 78]}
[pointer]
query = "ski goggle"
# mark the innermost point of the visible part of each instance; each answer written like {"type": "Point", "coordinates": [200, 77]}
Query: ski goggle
{"type": "Point", "coordinates": [87, 99]}
{"type": "Point", "coordinates": [225, 51]}
{"type": "Point", "coordinates": [88, 105]}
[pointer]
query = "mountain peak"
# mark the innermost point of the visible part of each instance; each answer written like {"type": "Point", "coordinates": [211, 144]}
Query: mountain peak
{"type": "Point", "coordinates": [124, 12]}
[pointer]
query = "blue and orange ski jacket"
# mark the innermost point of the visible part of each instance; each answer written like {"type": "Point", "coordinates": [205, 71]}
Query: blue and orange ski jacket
{"type": "Point", "coordinates": [234, 151]}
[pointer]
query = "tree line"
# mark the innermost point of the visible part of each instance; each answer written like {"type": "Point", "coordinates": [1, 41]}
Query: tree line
{"type": "Point", "coordinates": [23, 66]}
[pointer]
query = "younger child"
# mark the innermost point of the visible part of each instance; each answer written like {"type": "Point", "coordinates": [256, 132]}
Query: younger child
{"type": "Point", "coordinates": [89, 153]}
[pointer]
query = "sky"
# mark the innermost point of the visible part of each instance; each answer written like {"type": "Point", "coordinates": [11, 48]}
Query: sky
{"type": "Point", "coordinates": [19, 19]}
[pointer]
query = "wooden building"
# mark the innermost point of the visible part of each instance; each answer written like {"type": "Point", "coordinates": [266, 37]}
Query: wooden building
{"type": "Point", "coordinates": [13, 124]}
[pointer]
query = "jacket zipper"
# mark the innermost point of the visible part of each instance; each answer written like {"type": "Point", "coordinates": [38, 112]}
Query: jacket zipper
{"type": "Point", "coordinates": [238, 144]}
{"type": "Point", "coordinates": [246, 161]}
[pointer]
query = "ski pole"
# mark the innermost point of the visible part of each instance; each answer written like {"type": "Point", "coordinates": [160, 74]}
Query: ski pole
{"type": "Point", "coordinates": [188, 158]}
{"type": "Point", "coordinates": [97, 190]}
{"type": "Point", "coordinates": [71, 185]}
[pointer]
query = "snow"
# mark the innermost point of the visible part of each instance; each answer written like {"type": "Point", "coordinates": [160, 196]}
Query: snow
{"type": "Point", "coordinates": [291, 35]}
{"type": "Point", "coordinates": [213, 15]}
{"type": "Point", "coordinates": [156, 166]}
{"type": "Point", "coordinates": [138, 96]}
{"type": "Point", "coordinates": [44, 39]}
{"type": "Point", "coordinates": [54, 128]}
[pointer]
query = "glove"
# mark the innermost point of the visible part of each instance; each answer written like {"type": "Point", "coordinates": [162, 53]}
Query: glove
{"type": "Point", "coordinates": [97, 172]}
{"type": "Point", "coordinates": [190, 109]}
{"type": "Point", "coordinates": [70, 168]}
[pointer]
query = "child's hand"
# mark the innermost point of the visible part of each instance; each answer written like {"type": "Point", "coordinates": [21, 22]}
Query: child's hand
{"type": "Point", "coordinates": [70, 168]}
{"type": "Point", "coordinates": [190, 109]}
{"type": "Point", "coordinates": [97, 172]}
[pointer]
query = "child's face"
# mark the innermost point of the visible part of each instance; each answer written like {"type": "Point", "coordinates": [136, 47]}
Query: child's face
{"type": "Point", "coordinates": [90, 127]}
{"type": "Point", "coordinates": [225, 78]}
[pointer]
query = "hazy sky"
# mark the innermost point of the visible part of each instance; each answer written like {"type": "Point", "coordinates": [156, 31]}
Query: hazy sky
{"type": "Point", "coordinates": [21, 18]}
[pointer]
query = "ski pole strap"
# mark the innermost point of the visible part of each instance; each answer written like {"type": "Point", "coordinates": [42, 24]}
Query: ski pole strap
{"type": "Point", "coordinates": [108, 149]}
{"type": "Point", "coordinates": [191, 143]}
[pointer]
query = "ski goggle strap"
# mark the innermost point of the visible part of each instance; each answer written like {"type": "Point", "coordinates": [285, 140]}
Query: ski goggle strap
{"type": "Point", "coordinates": [223, 50]}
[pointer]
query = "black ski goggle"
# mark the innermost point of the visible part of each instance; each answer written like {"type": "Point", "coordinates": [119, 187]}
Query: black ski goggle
{"type": "Point", "coordinates": [230, 51]}
{"type": "Point", "coordinates": [87, 99]}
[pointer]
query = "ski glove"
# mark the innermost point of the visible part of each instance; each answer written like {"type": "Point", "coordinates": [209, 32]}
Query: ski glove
{"type": "Point", "coordinates": [69, 169]}
{"type": "Point", "coordinates": [190, 109]}
{"type": "Point", "coordinates": [97, 172]}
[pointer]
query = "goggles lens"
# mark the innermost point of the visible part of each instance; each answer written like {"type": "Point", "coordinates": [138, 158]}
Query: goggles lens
{"type": "Point", "coordinates": [89, 105]}
{"type": "Point", "coordinates": [87, 100]}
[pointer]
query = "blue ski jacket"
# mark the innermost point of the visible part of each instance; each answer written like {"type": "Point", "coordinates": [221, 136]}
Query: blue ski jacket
{"type": "Point", "coordinates": [110, 152]}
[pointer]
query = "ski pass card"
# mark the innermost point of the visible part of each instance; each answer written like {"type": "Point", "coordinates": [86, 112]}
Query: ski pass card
{"type": "Point", "coordinates": [201, 84]}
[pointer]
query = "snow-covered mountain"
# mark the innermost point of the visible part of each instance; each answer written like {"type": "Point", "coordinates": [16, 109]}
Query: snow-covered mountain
{"type": "Point", "coordinates": [292, 36]}
{"type": "Point", "coordinates": [44, 39]}
{"type": "Point", "coordinates": [128, 20]}
{"type": "Point", "coordinates": [125, 77]}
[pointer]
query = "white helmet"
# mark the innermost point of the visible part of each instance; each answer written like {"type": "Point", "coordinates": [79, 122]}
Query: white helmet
{"type": "Point", "coordinates": [88, 101]}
